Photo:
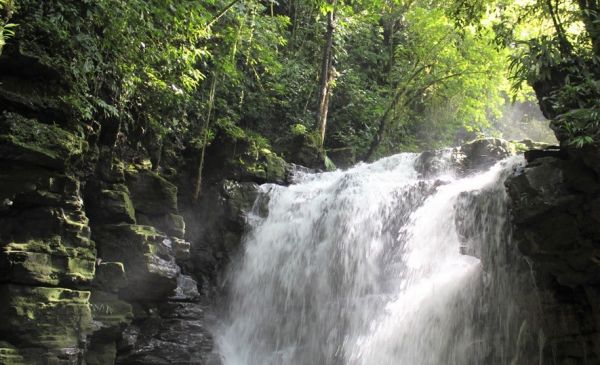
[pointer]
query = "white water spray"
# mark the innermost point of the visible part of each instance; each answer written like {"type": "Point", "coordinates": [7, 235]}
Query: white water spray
{"type": "Point", "coordinates": [378, 265]}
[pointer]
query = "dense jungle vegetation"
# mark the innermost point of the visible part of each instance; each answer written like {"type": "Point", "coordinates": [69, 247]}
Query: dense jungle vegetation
{"type": "Point", "coordinates": [359, 79]}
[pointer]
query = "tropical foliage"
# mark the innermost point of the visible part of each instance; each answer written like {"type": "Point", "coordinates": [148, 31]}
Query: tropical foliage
{"type": "Point", "coordinates": [401, 74]}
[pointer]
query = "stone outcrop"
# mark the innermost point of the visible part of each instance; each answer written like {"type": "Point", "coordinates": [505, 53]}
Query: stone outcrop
{"type": "Point", "coordinates": [100, 257]}
{"type": "Point", "coordinates": [556, 216]}
{"type": "Point", "coordinates": [47, 259]}
{"type": "Point", "coordinates": [470, 157]}
{"type": "Point", "coordinates": [93, 256]}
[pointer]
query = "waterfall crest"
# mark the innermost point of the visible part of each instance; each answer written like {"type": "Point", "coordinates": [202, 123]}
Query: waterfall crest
{"type": "Point", "coordinates": [381, 264]}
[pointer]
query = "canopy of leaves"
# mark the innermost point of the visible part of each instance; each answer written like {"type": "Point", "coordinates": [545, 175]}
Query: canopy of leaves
{"type": "Point", "coordinates": [409, 74]}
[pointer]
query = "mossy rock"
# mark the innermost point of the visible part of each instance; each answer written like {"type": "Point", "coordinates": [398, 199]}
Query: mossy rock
{"type": "Point", "coordinates": [238, 155]}
{"type": "Point", "coordinates": [239, 199]}
{"type": "Point", "coordinates": [101, 353]}
{"type": "Point", "coordinates": [10, 355]}
{"type": "Point", "coordinates": [525, 145]}
{"type": "Point", "coordinates": [171, 224]}
{"type": "Point", "coordinates": [482, 153]}
{"type": "Point", "coordinates": [152, 194]}
{"type": "Point", "coordinates": [110, 276]}
{"type": "Point", "coordinates": [113, 313]}
{"type": "Point", "coordinates": [305, 151]}
{"type": "Point", "coordinates": [48, 318]}
{"type": "Point", "coordinates": [32, 186]}
{"type": "Point", "coordinates": [42, 223]}
{"type": "Point", "coordinates": [28, 140]}
{"type": "Point", "coordinates": [261, 167]}
{"type": "Point", "coordinates": [146, 254]}
{"type": "Point", "coordinates": [50, 262]}
{"type": "Point", "coordinates": [110, 169]}
{"type": "Point", "coordinates": [112, 206]}
{"type": "Point", "coordinates": [30, 83]}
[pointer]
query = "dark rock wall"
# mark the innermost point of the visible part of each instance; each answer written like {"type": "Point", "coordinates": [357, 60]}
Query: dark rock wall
{"type": "Point", "coordinates": [104, 258]}
{"type": "Point", "coordinates": [90, 264]}
{"type": "Point", "coordinates": [556, 215]}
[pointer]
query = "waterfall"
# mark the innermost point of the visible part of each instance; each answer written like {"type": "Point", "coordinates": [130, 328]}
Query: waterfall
{"type": "Point", "coordinates": [381, 264]}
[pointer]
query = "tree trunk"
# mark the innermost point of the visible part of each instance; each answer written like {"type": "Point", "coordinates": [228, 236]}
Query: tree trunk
{"type": "Point", "coordinates": [563, 42]}
{"type": "Point", "coordinates": [590, 10]}
{"type": "Point", "coordinates": [383, 122]}
{"type": "Point", "coordinates": [327, 74]}
{"type": "Point", "coordinates": [198, 180]}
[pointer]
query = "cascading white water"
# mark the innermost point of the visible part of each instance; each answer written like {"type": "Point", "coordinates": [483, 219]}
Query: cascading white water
{"type": "Point", "coordinates": [378, 265]}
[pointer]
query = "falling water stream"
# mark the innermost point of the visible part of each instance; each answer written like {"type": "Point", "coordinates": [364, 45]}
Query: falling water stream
{"type": "Point", "coordinates": [384, 263]}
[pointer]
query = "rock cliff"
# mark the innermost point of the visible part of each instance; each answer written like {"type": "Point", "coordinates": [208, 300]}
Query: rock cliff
{"type": "Point", "coordinates": [556, 214]}
{"type": "Point", "coordinates": [104, 258]}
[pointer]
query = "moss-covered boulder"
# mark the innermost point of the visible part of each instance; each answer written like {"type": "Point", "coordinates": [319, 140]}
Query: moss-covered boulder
{"type": "Point", "coordinates": [108, 309]}
{"type": "Point", "coordinates": [30, 83]}
{"type": "Point", "coordinates": [525, 145]}
{"type": "Point", "coordinates": [28, 140]}
{"type": "Point", "coordinates": [52, 321]}
{"type": "Point", "coordinates": [10, 355]}
{"type": "Point", "coordinates": [155, 202]}
{"type": "Point", "coordinates": [111, 206]}
{"type": "Point", "coordinates": [171, 224]}
{"type": "Point", "coordinates": [147, 256]}
{"type": "Point", "coordinates": [305, 151]}
{"type": "Point", "coordinates": [151, 193]}
{"type": "Point", "coordinates": [47, 263]}
{"type": "Point", "coordinates": [483, 153]}
{"type": "Point", "coordinates": [110, 276]}
{"type": "Point", "coordinates": [239, 155]}
{"type": "Point", "coordinates": [44, 232]}
{"type": "Point", "coordinates": [110, 314]}
{"type": "Point", "coordinates": [101, 353]}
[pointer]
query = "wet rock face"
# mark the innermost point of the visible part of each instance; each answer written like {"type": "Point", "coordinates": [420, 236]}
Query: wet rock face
{"type": "Point", "coordinates": [47, 259]}
{"type": "Point", "coordinates": [240, 158]}
{"type": "Point", "coordinates": [473, 156]}
{"type": "Point", "coordinates": [556, 217]}
{"type": "Point", "coordinates": [146, 309]}
{"type": "Point", "coordinates": [483, 153]}
{"type": "Point", "coordinates": [222, 210]}
{"type": "Point", "coordinates": [90, 252]}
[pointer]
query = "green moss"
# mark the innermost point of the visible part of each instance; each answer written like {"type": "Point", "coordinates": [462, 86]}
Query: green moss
{"type": "Point", "coordinates": [114, 205]}
{"type": "Point", "coordinates": [152, 194]}
{"type": "Point", "coordinates": [110, 276]}
{"type": "Point", "coordinates": [230, 129]}
{"type": "Point", "coordinates": [27, 140]}
{"type": "Point", "coordinates": [146, 254]}
{"type": "Point", "coordinates": [260, 164]}
{"type": "Point", "coordinates": [101, 353]}
{"type": "Point", "coordinates": [275, 167]}
{"type": "Point", "coordinates": [109, 310]}
{"type": "Point", "coordinates": [329, 165]}
{"type": "Point", "coordinates": [10, 355]}
{"type": "Point", "coordinates": [47, 263]}
{"type": "Point", "coordinates": [53, 318]}
{"type": "Point", "coordinates": [527, 145]}
{"type": "Point", "coordinates": [517, 147]}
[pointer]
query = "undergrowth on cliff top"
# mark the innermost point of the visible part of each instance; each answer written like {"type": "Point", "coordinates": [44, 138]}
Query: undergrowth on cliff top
{"type": "Point", "coordinates": [404, 74]}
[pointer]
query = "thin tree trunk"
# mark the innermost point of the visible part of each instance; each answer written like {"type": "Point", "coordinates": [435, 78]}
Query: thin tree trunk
{"type": "Point", "coordinates": [590, 10]}
{"type": "Point", "coordinates": [382, 126]}
{"type": "Point", "coordinates": [211, 102]}
{"type": "Point", "coordinates": [563, 42]}
{"type": "Point", "coordinates": [404, 95]}
{"type": "Point", "coordinates": [221, 13]}
{"type": "Point", "coordinates": [327, 74]}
